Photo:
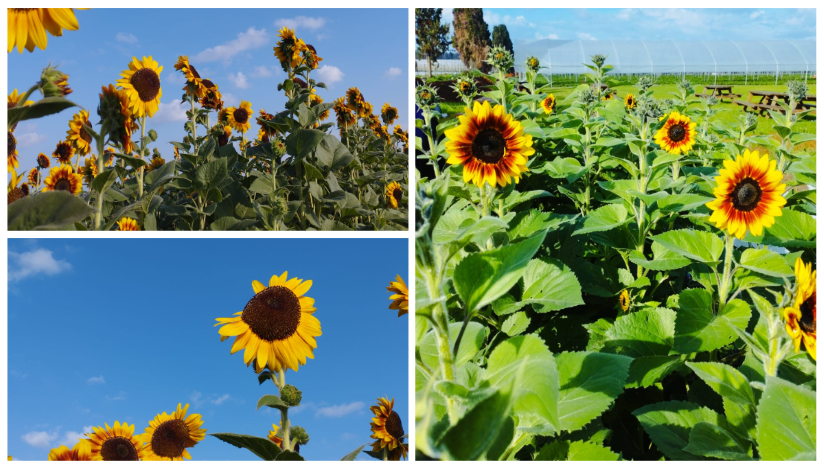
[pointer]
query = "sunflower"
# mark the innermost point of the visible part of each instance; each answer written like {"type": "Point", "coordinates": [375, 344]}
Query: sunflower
{"type": "Point", "coordinates": [63, 178]}
{"type": "Point", "coordinates": [388, 114]}
{"type": "Point", "coordinates": [15, 98]}
{"type": "Point", "coordinates": [154, 164]}
{"type": "Point", "coordinates": [168, 436]}
{"type": "Point", "coordinates": [63, 152]}
{"type": "Point", "coordinates": [194, 84]}
{"type": "Point", "coordinates": [81, 451]}
{"type": "Point", "coordinates": [801, 316]}
{"type": "Point", "coordinates": [394, 193]}
{"type": "Point", "coordinates": [239, 118]}
{"type": "Point", "coordinates": [629, 101]}
{"type": "Point", "coordinates": [548, 104]}
{"type": "Point", "coordinates": [119, 116]}
{"type": "Point", "coordinates": [354, 100]}
{"type": "Point", "coordinates": [607, 97]}
{"type": "Point", "coordinates": [289, 47]}
{"type": "Point", "coordinates": [28, 26]}
{"type": "Point", "coordinates": [400, 296]}
{"type": "Point", "coordinates": [115, 444]}
{"type": "Point", "coordinates": [310, 57]}
{"type": "Point", "coordinates": [490, 144]}
{"type": "Point", "coordinates": [387, 429]}
{"type": "Point", "coordinates": [273, 434]}
{"type": "Point", "coordinates": [366, 111]}
{"type": "Point", "coordinates": [43, 161]}
{"type": "Point", "coordinates": [276, 327]}
{"type": "Point", "coordinates": [34, 177]}
{"type": "Point", "coordinates": [748, 195]}
{"type": "Point", "coordinates": [142, 84]}
{"type": "Point", "coordinates": [624, 300]}
{"type": "Point", "coordinates": [211, 97]}
{"type": "Point", "coordinates": [343, 114]}
{"type": "Point", "coordinates": [223, 139]}
{"type": "Point", "coordinates": [89, 170]}
{"type": "Point", "coordinates": [127, 224]}
{"type": "Point", "coordinates": [12, 154]}
{"type": "Point", "coordinates": [677, 135]}
{"type": "Point", "coordinates": [77, 134]}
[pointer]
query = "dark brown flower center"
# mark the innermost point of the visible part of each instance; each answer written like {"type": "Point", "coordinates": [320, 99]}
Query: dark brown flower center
{"type": "Point", "coordinates": [208, 84]}
{"type": "Point", "coordinates": [12, 143]}
{"type": "Point", "coordinates": [43, 161]}
{"type": "Point", "coordinates": [240, 115]}
{"type": "Point", "coordinates": [118, 449]}
{"type": "Point", "coordinates": [85, 134]}
{"type": "Point", "coordinates": [394, 426]}
{"type": "Point", "coordinates": [15, 194]}
{"type": "Point", "coordinates": [746, 195]}
{"type": "Point", "coordinates": [147, 84]}
{"type": "Point", "coordinates": [194, 71]}
{"type": "Point", "coordinates": [397, 194]}
{"type": "Point", "coordinates": [676, 132]}
{"type": "Point", "coordinates": [273, 314]}
{"type": "Point", "coordinates": [170, 438]}
{"type": "Point", "coordinates": [808, 315]}
{"type": "Point", "coordinates": [63, 184]}
{"type": "Point", "coordinates": [489, 146]}
{"type": "Point", "coordinates": [25, 189]}
{"type": "Point", "coordinates": [63, 152]}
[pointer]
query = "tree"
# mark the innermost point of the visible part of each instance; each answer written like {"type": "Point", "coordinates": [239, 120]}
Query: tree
{"type": "Point", "coordinates": [432, 36]}
{"type": "Point", "coordinates": [500, 37]}
{"type": "Point", "coordinates": [471, 35]}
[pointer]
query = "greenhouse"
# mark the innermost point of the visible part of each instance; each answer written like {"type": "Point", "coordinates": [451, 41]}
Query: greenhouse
{"type": "Point", "coordinates": [711, 58]}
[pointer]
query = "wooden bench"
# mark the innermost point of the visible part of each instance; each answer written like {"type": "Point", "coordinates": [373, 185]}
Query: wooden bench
{"type": "Point", "coordinates": [731, 96]}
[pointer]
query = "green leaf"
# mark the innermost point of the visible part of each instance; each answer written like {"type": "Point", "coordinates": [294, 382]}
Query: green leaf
{"type": "Point", "coordinates": [647, 336]}
{"type": "Point", "coordinates": [669, 423]}
{"type": "Point", "coordinates": [211, 174]}
{"type": "Point", "coordinates": [41, 108]}
{"type": "Point", "coordinates": [701, 246]}
{"type": "Point", "coordinates": [526, 365]}
{"type": "Point", "coordinates": [786, 422]}
{"type": "Point", "coordinates": [272, 401]}
{"type": "Point", "coordinates": [515, 324]}
{"type": "Point", "coordinates": [765, 261]}
{"type": "Point", "coordinates": [589, 382]}
{"type": "Point", "coordinates": [478, 429]}
{"type": "Point", "coordinates": [682, 202]}
{"type": "Point", "coordinates": [697, 329]}
{"type": "Point", "coordinates": [302, 142]}
{"type": "Point", "coordinates": [736, 393]}
{"type": "Point", "coordinates": [289, 456]}
{"type": "Point", "coordinates": [562, 450]}
{"type": "Point", "coordinates": [550, 286]}
{"type": "Point", "coordinates": [793, 229]}
{"type": "Point", "coordinates": [354, 454]}
{"type": "Point", "coordinates": [50, 210]}
{"type": "Point", "coordinates": [261, 447]}
{"type": "Point", "coordinates": [481, 278]}
{"type": "Point", "coordinates": [663, 259]}
{"type": "Point", "coordinates": [471, 342]}
{"type": "Point", "coordinates": [332, 154]}
{"type": "Point", "coordinates": [104, 180]}
{"type": "Point", "coordinates": [711, 441]}
{"type": "Point", "coordinates": [603, 219]}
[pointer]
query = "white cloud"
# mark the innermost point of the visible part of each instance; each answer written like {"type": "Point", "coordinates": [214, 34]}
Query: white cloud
{"type": "Point", "coordinates": [70, 438]}
{"type": "Point", "coordinates": [128, 38]}
{"type": "Point", "coordinates": [251, 39]}
{"type": "Point", "coordinates": [392, 72]}
{"type": "Point", "coordinates": [29, 139]}
{"type": "Point", "coordinates": [330, 74]}
{"type": "Point", "coordinates": [220, 400]}
{"type": "Point", "coordinates": [96, 380]}
{"type": "Point", "coordinates": [230, 99]}
{"type": "Point", "coordinates": [40, 439]}
{"type": "Point", "coordinates": [40, 261]}
{"type": "Point", "coordinates": [756, 14]}
{"type": "Point", "coordinates": [239, 80]}
{"type": "Point", "coordinates": [494, 19]}
{"type": "Point", "coordinates": [173, 111]}
{"type": "Point", "coordinates": [624, 14]}
{"type": "Point", "coordinates": [586, 36]}
{"type": "Point", "coordinates": [548, 36]}
{"type": "Point", "coordinates": [339, 410]}
{"type": "Point", "coordinates": [306, 22]}
{"type": "Point", "coordinates": [121, 396]}
{"type": "Point", "coordinates": [198, 399]}
{"type": "Point", "coordinates": [261, 71]}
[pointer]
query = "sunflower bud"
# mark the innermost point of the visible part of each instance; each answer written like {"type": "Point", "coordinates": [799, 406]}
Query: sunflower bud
{"type": "Point", "coordinates": [599, 60]}
{"type": "Point", "coordinates": [500, 58]}
{"type": "Point", "coordinates": [588, 96]}
{"type": "Point", "coordinates": [290, 394]}
{"type": "Point", "coordinates": [796, 89]}
{"type": "Point", "coordinates": [533, 64]}
{"type": "Point", "coordinates": [425, 96]}
{"type": "Point", "coordinates": [299, 435]}
{"type": "Point", "coordinates": [278, 148]}
{"type": "Point", "coordinates": [279, 210]}
{"type": "Point", "coordinates": [644, 84]}
{"type": "Point", "coordinates": [54, 83]}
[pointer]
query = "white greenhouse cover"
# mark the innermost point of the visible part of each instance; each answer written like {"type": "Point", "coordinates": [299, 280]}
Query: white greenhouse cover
{"type": "Point", "coordinates": [671, 57]}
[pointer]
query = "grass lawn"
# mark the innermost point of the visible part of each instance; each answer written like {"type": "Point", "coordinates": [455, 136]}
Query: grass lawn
{"type": "Point", "coordinates": [729, 113]}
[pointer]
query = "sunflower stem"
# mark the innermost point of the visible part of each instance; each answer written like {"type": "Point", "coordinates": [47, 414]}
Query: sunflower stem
{"type": "Point", "coordinates": [726, 278]}
{"type": "Point", "coordinates": [284, 413]}
{"type": "Point", "coordinates": [385, 454]}
{"type": "Point", "coordinates": [97, 214]}
{"type": "Point", "coordinates": [194, 123]}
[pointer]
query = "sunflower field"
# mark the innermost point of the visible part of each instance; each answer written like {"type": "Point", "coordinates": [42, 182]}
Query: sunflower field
{"type": "Point", "coordinates": [293, 175]}
{"type": "Point", "coordinates": [613, 277]}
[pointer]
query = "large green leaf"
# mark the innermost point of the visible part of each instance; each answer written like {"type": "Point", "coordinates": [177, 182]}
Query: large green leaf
{"type": "Point", "coordinates": [526, 364]}
{"type": "Point", "coordinates": [603, 219]}
{"type": "Point", "coordinates": [481, 278]}
{"type": "Point", "coordinates": [793, 229]}
{"type": "Point", "coordinates": [712, 441]}
{"type": "Point", "coordinates": [478, 429]}
{"type": "Point", "coordinates": [471, 342]}
{"type": "Point", "coordinates": [682, 202]}
{"type": "Point", "coordinates": [662, 259]}
{"type": "Point", "coordinates": [589, 382]}
{"type": "Point", "coordinates": [786, 422]}
{"type": "Point", "coordinates": [697, 329]}
{"type": "Point", "coordinates": [562, 450]}
{"type": "Point", "coordinates": [515, 324]}
{"type": "Point", "coordinates": [735, 391]}
{"type": "Point", "coordinates": [549, 285]}
{"type": "Point", "coordinates": [41, 108]}
{"type": "Point", "coordinates": [332, 154]}
{"type": "Point", "coordinates": [647, 336]}
{"type": "Point", "coordinates": [261, 447]}
{"type": "Point", "coordinates": [765, 261]}
{"type": "Point", "coordinates": [701, 246]}
{"type": "Point", "coordinates": [303, 141]}
{"type": "Point", "coordinates": [211, 174]}
{"type": "Point", "coordinates": [669, 423]}
{"type": "Point", "coordinates": [50, 210]}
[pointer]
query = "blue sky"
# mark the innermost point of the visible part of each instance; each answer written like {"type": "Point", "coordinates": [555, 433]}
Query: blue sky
{"type": "Point", "coordinates": [367, 48]}
{"type": "Point", "coordinates": [651, 24]}
{"type": "Point", "coordinates": [134, 343]}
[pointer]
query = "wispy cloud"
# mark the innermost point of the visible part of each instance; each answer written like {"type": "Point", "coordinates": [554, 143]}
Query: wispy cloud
{"type": "Point", "coordinates": [239, 80]}
{"type": "Point", "coordinates": [302, 22]}
{"type": "Point", "coordinates": [96, 380]}
{"type": "Point", "coordinates": [121, 396]}
{"type": "Point", "coordinates": [393, 72]}
{"type": "Point", "coordinates": [220, 400]}
{"type": "Point", "coordinates": [250, 39]}
{"type": "Point", "coordinates": [40, 439]}
{"type": "Point", "coordinates": [339, 410]}
{"type": "Point", "coordinates": [198, 399]}
{"type": "Point", "coordinates": [330, 74]}
{"type": "Point", "coordinates": [261, 71]}
{"type": "Point", "coordinates": [39, 261]}
{"type": "Point", "coordinates": [173, 111]}
{"type": "Point", "coordinates": [70, 438]}
{"type": "Point", "coordinates": [128, 38]}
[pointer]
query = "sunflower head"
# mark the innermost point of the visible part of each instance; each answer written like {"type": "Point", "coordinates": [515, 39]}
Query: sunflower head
{"type": "Point", "coordinates": [388, 114]}
{"type": "Point", "coordinates": [116, 117]}
{"type": "Point", "coordinates": [624, 300]}
{"type": "Point", "coordinates": [127, 224]}
{"type": "Point", "coordinates": [211, 98]}
{"type": "Point", "coordinates": [400, 296]}
{"type": "Point", "coordinates": [28, 26]}
{"type": "Point", "coordinates": [747, 195]}
{"type": "Point", "coordinates": [629, 101]}
{"type": "Point", "coordinates": [548, 104]}
{"type": "Point", "coordinates": [387, 430]}
{"type": "Point", "coordinates": [12, 155]}
{"type": "Point", "coordinates": [425, 96]}
{"type": "Point", "coordinates": [81, 451]}
{"type": "Point", "coordinates": [500, 58]}
{"type": "Point", "coordinates": [289, 48]}
{"type": "Point", "coordinates": [194, 83]}
{"type": "Point", "coordinates": [77, 134]}
{"type": "Point", "coordinates": [141, 82]}
{"type": "Point", "coordinates": [239, 118]}
{"type": "Point", "coordinates": [224, 136]}
{"type": "Point", "coordinates": [89, 170]}
{"type": "Point", "coordinates": [343, 114]}
{"type": "Point", "coordinates": [490, 145]}
{"type": "Point", "coordinates": [63, 178]}
{"type": "Point", "coordinates": [677, 135]}
{"type": "Point", "coordinates": [310, 57]}
{"type": "Point", "coordinates": [34, 177]}
{"type": "Point", "coordinates": [168, 436]}
{"type": "Point", "coordinates": [117, 443]}
{"type": "Point", "coordinates": [800, 317]}
{"type": "Point", "coordinates": [394, 193]}
{"type": "Point", "coordinates": [354, 100]}
{"type": "Point", "coordinates": [54, 83]}
{"type": "Point", "coordinates": [533, 64]}
{"type": "Point", "coordinates": [15, 100]}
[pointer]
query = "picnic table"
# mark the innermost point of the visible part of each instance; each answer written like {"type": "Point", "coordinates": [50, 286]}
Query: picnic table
{"type": "Point", "coordinates": [763, 101]}
{"type": "Point", "coordinates": [718, 91]}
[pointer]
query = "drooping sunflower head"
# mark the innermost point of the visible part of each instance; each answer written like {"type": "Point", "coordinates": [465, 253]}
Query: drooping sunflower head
{"type": "Point", "coordinates": [800, 318]}
{"type": "Point", "coordinates": [241, 116]}
{"type": "Point", "coordinates": [354, 100]}
{"type": "Point", "coordinates": [12, 155]}
{"type": "Point", "coordinates": [310, 57]}
{"type": "Point", "coordinates": [156, 162]}
{"type": "Point", "coordinates": [388, 114]}
{"type": "Point", "coordinates": [28, 26]}
{"type": "Point", "coordinates": [394, 194]}
{"type": "Point", "coordinates": [288, 49]}
{"type": "Point", "coordinates": [548, 104]}
{"type": "Point", "coordinates": [211, 98]}
{"type": "Point", "coordinates": [490, 144]}
{"type": "Point", "coordinates": [77, 134]}
{"type": "Point", "coordinates": [89, 170]}
{"type": "Point", "coordinates": [63, 152]}
{"type": "Point", "coordinates": [142, 85]}
{"type": "Point", "coordinates": [343, 114]}
{"type": "Point", "coordinates": [194, 83]}
{"type": "Point", "coordinates": [629, 101]}
{"type": "Point", "coordinates": [624, 300]}
{"type": "Point", "coordinates": [116, 117]}
{"type": "Point", "coordinates": [81, 451]}
{"type": "Point", "coordinates": [43, 161]}
{"type": "Point", "coordinates": [168, 436]}
{"type": "Point", "coordinates": [748, 195]}
{"type": "Point", "coordinates": [127, 224]}
{"type": "Point", "coordinates": [400, 296]}
{"type": "Point", "coordinates": [277, 328]}
{"type": "Point", "coordinates": [677, 135]}
{"type": "Point", "coordinates": [117, 443]}
{"type": "Point", "coordinates": [63, 178]}
{"type": "Point", "coordinates": [224, 136]}
{"type": "Point", "coordinates": [387, 430]}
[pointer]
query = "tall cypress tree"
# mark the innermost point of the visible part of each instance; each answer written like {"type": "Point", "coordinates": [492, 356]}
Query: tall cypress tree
{"type": "Point", "coordinates": [471, 35]}
{"type": "Point", "coordinates": [500, 37]}
{"type": "Point", "coordinates": [432, 36]}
